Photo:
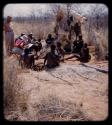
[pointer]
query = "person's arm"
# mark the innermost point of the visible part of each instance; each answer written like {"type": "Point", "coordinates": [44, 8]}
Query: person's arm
{"type": "Point", "coordinates": [5, 27]}
{"type": "Point", "coordinates": [45, 59]}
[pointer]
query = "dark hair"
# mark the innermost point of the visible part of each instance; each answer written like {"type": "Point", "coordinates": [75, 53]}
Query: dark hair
{"type": "Point", "coordinates": [71, 18]}
{"type": "Point", "coordinates": [22, 34]}
{"type": "Point", "coordinates": [39, 40]}
{"type": "Point", "coordinates": [49, 35]}
{"type": "Point", "coordinates": [59, 44]}
{"type": "Point", "coordinates": [26, 51]}
{"type": "Point", "coordinates": [85, 45]}
{"type": "Point", "coordinates": [53, 47]}
{"type": "Point", "coordinates": [30, 35]}
{"type": "Point", "coordinates": [80, 36]}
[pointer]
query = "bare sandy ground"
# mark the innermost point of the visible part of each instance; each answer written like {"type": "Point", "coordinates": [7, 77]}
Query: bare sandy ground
{"type": "Point", "coordinates": [71, 83]}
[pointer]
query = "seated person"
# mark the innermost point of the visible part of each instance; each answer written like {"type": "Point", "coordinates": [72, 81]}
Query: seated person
{"type": "Point", "coordinates": [84, 54]}
{"type": "Point", "coordinates": [51, 58]}
{"type": "Point", "coordinates": [75, 46]}
{"type": "Point", "coordinates": [37, 46]}
{"type": "Point", "coordinates": [49, 39]}
{"type": "Point", "coordinates": [19, 46]}
{"type": "Point", "coordinates": [19, 37]}
{"type": "Point", "coordinates": [60, 51]}
{"type": "Point", "coordinates": [78, 44]}
{"type": "Point", "coordinates": [67, 47]}
{"type": "Point", "coordinates": [28, 58]}
{"type": "Point", "coordinates": [31, 39]}
{"type": "Point", "coordinates": [81, 42]}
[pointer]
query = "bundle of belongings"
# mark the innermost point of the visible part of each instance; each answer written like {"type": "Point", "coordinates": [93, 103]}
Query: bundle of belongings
{"type": "Point", "coordinates": [27, 48]}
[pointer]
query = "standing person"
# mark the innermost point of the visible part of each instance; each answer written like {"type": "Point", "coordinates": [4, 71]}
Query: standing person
{"type": "Point", "coordinates": [77, 29]}
{"type": "Point", "coordinates": [9, 35]}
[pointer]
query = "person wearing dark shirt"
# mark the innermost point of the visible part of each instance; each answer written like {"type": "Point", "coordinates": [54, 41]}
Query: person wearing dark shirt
{"type": "Point", "coordinates": [51, 58]}
{"type": "Point", "coordinates": [60, 51]}
{"type": "Point", "coordinates": [49, 39]}
{"type": "Point", "coordinates": [31, 38]}
{"type": "Point", "coordinates": [75, 46]}
{"type": "Point", "coordinates": [81, 41]}
{"type": "Point", "coordinates": [78, 44]}
{"type": "Point", "coordinates": [77, 29]}
{"type": "Point", "coordinates": [84, 54]}
{"type": "Point", "coordinates": [67, 47]}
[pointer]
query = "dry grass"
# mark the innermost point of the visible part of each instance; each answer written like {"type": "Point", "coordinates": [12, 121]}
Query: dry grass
{"type": "Point", "coordinates": [12, 85]}
{"type": "Point", "coordinates": [53, 109]}
{"type": "Point", "coordinates": [97, 38]}
{"type": "Point", "coordinates": [40, 30]}
{"type": "Point", "coordinates": [30, 97]}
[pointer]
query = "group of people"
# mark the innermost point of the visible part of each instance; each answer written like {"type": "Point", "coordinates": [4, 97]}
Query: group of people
{"type": "Point", "coordinates": [73, 27]}
{"type": "Point", "coordinates": [78, 47]}
{"type": "Point", "coordinates": [81, 48]}
{"type": "Point", "coordinates": [27, 47]}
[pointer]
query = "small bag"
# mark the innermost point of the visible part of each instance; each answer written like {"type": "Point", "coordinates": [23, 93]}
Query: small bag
{"type": "Point", "coordinates": [19, 43]}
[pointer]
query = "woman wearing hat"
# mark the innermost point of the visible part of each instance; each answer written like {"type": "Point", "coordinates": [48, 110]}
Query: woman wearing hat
{"type": "Point", "coordinates": [9, 35]}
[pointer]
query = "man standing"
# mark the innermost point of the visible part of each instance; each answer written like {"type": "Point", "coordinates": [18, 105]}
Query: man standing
{"type": "Point", "coordinates": [77, 29]}
{"type": "Point", "coordinates": [9, 35]}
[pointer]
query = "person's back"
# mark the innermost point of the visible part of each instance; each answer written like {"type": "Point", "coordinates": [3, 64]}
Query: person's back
{"type": "Point", "coordinates": [28, 58]}
{"type": "Point", "coordinates": [80, 43]}
{"type": "Point", "coordinates": [75, 46]}
{"type": "Point", "coordinates": [49, 40]}
{"type": "Point", "coordinates": [51, 58]}
{"type": "Point", "coordinates": [84, 54]}
{"type": "Point", "coordinates": [60, 51]}
{"type": "Point", "coordinates": [67, 47]}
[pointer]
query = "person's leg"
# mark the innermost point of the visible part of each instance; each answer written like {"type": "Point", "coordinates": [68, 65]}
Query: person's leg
{"type": "Point", "coordinates": [6, 43]}
{"type": "Point", "coordinates": [33, 60]}
{"type": "Point", "coordinates": [12, 40]}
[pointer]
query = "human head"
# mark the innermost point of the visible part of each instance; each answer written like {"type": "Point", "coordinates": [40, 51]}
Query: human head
{"type": "Point", "coordinates": [9, 18]}
{"type": "Point", "coordinates": [85, 45]}
{"type": "Point", "coordinates": [49, 35]}
{"type": "Point", "coordinates": [30, 35]}
{"type": "Point", "coordinates": [80, 37]}
{"type": "Point", "coordinates": [25, 38]}
{"type": "Point", "coordinates": [53, 47]}
{"type": "Point", "coordinates": [26, 51]}
{"type": "Point", "coordinates": [71, 18]}
{"type": "Point", "coordinates": [59, 44]}
{"type": "Point", "coordinates": [22, 34]}
{"type": "Point", "coordinates": [39, 40]}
